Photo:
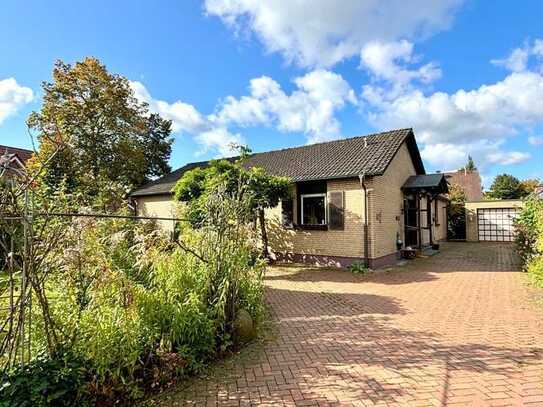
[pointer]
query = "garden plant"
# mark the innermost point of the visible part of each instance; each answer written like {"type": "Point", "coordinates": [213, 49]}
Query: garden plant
{"type": "Point", "coordinates": [529, 239]}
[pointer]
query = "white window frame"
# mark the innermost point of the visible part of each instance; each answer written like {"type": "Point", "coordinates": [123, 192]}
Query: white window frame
{"type": "Point", "coordinates": [323, 195]}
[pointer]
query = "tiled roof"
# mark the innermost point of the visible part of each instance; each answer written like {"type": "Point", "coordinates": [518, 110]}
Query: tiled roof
{"type": "Point", "coordinates": [344, 158]}
{"type": "Point", "coordinates": [427, 181]}
{"type": "Point", "coordinates": [22, 154]}
{"type": "Point", "coordinates": [165, 184]}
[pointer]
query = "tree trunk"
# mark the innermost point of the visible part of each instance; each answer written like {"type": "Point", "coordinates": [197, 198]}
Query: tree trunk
{"type": "Point", "coordinates": [265, 252]}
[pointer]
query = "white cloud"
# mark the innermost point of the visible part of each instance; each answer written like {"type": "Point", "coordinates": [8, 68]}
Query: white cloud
{"type": "Point", "coordinates": [388, 60]}
{"type": "Point", "coordinates": [508, 157]}
{"type": "Point", "coordinates": [452, 125]}
{"type": "Point", "coordinates": [221, 140]}
{"type": "Point", "coordinates": [389, 64]}
{"type": "Point", "coordinates": [184, 117]}
{"type": "Point", "coordinates": [322, 32]}
{"type": "Point", "coordinates": [518, 59]}
{"type": "Point", "coordinates": [309, 109]}
{"type": "Point", "coordinates": [535, 141]}
{"type": "Point", "coordinates": [447, 156]}
{"type": "Point", "coordinates": [12, 97]}
{"type": "Point", "coordinates": [490, 111]}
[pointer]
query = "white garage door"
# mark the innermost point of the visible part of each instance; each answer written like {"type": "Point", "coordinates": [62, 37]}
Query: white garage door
{"type": "Point", "coordinates": [496, 225]}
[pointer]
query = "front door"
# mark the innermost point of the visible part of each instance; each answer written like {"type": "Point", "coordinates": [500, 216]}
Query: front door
{"type": "Point", "coordinates": [411, 220]}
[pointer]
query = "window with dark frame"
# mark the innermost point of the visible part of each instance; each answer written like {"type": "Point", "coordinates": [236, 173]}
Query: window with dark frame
{"type": "Point", "coordinates": [313, 208]}
{"type": "Point", "coordinates": [287, 213]}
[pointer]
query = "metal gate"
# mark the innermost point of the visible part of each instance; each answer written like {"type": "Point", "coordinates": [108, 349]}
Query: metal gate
{"type": "Point", "coordinates": [496, 224]}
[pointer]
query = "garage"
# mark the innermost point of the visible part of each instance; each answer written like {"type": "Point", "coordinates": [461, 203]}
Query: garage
{"type": "Point", "coordinates": [496, 224]}
{"type": "Point", "coordinates": [491, 221]}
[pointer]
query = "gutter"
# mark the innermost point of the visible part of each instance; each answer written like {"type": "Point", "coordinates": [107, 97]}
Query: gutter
{"type": "Point", "coordinates": [362, 179]}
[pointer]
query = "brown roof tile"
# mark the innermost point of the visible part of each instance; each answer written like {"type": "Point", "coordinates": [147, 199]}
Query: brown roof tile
{"type": "Point", "coordinates": [22, 154]}
{"type": "Point", "coordinates": [344, 158]}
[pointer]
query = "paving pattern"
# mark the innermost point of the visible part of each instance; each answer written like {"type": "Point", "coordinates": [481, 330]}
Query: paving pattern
{"type": "Point", "coordinates": [458, 328]}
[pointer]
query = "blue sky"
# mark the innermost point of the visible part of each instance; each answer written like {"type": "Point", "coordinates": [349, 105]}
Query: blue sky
{"type": "Point", "coordinates": [466, 75]}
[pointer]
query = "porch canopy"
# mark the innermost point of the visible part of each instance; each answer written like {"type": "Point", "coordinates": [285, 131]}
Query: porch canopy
{"type": "Point", "coordinates": [433, 184]}
{"type": "Point", "coordinates": [417, 187]}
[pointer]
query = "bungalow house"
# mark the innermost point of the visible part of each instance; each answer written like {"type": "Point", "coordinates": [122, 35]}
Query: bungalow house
{"type": "Point", "coordinates": [360, 198]}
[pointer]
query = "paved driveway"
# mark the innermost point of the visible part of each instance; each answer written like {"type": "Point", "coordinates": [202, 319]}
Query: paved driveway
{"type": "Point", "coordinates": [459, 328]}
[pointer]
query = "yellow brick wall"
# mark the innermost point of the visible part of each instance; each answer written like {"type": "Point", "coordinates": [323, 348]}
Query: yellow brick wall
{"type": "Point", "coordinates": [385, 204]}
{"type": "Point", "coordinates": [385, 221]}
{"type": "Point", "coordinates": [345, 243]}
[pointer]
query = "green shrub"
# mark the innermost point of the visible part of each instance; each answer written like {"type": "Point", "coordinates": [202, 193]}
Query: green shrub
{"type": "Point", "coordinates": [252, 295]}
{"type": "Point", "coordinates": [529, 228]}
{"type": "Point", "coordinates": [129, 303]}
{"type": "Point", "coordinates": [58, 381]}
{"type": "Point", "coordinates": [529, 239]}
{"type": "Point", "coordinates": [358, 267]}
{"type": "Point", "coordinates": [535, 270]}
{"type": "Point", "coordinates": [183, 327]}
{"type": "Point", "coordinates": [113, 339]}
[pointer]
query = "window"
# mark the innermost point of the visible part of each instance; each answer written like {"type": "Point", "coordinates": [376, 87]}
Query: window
{"type": "Point", "coordinates": [336, 215]}
{"type": "Point", "coordinates": [313, 209]}
{"type": "Point", "coordinates": [287, 213]}
{"type": "Point", "coordinates": [436, 212]}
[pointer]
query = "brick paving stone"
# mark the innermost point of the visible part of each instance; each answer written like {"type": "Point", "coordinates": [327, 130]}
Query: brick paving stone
{"type": "Point", "coordinates": [458, 328]}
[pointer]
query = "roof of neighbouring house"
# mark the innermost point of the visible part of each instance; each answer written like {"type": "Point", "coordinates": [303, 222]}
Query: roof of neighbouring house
{"type": "Point", "coordinates": [430, 182]}
{"type": "Point", "coordinates": [337, 159]}
{"type": "Point", "coordinates": [470, 181]}
{"type": "Point", "coordinates": [22, 155]}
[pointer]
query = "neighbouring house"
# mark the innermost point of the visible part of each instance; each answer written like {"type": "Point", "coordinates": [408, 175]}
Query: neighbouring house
{"type": "Point", "coordinates": [470, 181]}
{"type": "Point", "coordinates": [355, 199]}
{"type": "Point", "coordinates": [13, 159]}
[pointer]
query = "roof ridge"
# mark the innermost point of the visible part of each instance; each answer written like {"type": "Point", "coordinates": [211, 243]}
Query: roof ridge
{"type": "Point", "coordinates": [335, 141]}
{"type": "Point", "coordinates": [340, 158]}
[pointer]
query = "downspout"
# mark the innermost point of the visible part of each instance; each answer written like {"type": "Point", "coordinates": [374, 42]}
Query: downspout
{"type": "Point", "coordinates": [362, 178]}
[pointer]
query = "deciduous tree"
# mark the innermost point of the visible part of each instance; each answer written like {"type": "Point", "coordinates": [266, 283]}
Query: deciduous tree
{"type": "Point", "coordinates": [528, 186]}
{"type": "Point", "coordinates": [110, 137]}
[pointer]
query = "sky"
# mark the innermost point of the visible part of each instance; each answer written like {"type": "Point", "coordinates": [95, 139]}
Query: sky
{"type": "Point", "coordinates": [467, 76]}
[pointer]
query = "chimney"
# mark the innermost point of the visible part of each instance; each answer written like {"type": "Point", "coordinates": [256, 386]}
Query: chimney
{"type": "Point", "coordinates": [365, 142]}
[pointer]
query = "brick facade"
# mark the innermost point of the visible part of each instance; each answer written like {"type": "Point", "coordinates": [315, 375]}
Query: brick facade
{"type": "Point", "coordinates": [385, 222]}
{"type": "Point", "coordinates": [385, 204]}
{"type": "Point", "coordinates": [338, 247]}
{"type": "Point", "coordinates": [339, 243]}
